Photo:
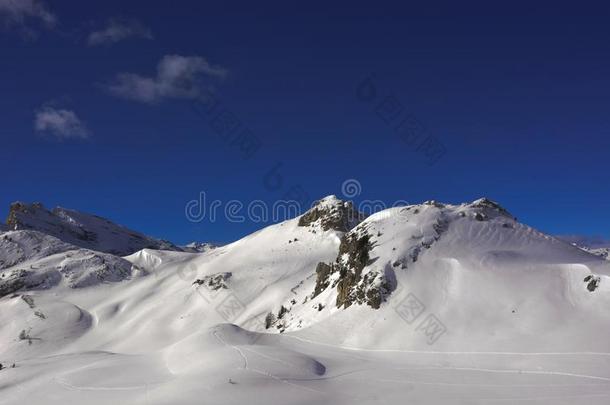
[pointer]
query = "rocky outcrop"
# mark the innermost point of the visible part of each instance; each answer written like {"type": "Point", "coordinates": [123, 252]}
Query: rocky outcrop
{"type": "Point", "coordinates": [323, 273]}
{"type": "Point", "coordinates": [353, 257]}
{"type": "Point", "coordinates": [214, 281]}
{"type": "Point", "coordinates": [358, 281]}
{"type": "Point", "coordinates": [12, 282]}
{"type": "Point", "coordinates": [592, 282]}
{"type": "Point", "coordinates": [22, 280]}
{"type": "Point", "coordinates": [330, 213]}
{"type": "Point", "coordinates": [19, 212]}
{"type": "Point", "coordinates": [20, 246]}
{"type": "Point", "coordinates": [354, 281]}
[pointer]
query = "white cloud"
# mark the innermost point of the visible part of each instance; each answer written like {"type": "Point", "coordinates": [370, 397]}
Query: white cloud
{"type": "Point", "coordinates": [63, 124]}
{"type": "Point", "coordinates": [15, 13]}
{"type": "Point", "coordinates": [180, 77]}
{"type": "Point", "coordinates": [118, 30]}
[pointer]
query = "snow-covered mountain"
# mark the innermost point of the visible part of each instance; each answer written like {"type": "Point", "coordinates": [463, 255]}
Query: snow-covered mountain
{"type": "Point", "coordinates": [199, 247]}
{"type": "Point", "coordinates": [80, 229]}
{"type": "Point", "coordinates": [603, 252]}
{"type": "Point", "coordinates": [427, 304]}
{"type": "Point", "coordinates": [596, 246]}
{"type": "Point", "coordinates": [30, 260]}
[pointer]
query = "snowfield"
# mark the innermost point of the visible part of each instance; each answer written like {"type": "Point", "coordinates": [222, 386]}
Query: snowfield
{"type": "Point", "coordinates": [425, 304]}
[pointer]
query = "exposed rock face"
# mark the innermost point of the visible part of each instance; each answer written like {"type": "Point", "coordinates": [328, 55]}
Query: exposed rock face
{"type": "Point", "coordinates": [82, 230]}
{"type": "Point", "coordinates": [355, 283]}
{"type": "Point", "coordinates": [269, 320]}
{"type": "Point", "coordinates": [353, 257]}
{"type": "Point", "coordinates": [323, 273]}
{"type": "Point", "coordinates": [330, 213]}
{"type": "Point", "coordinates": [13, 282]}
{"type": "Point", "coordinates": [17, 211]}
{"type": "Point", "coordinates": [214, 281]}
{"type": "Point", "coordinates": [592, 282]}
{"type": "Point", "coordinates": [345, 274]}
{"type": "Point", "coordinates": [358, 281]}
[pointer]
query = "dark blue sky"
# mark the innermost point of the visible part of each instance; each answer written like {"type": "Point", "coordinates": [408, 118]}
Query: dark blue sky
{"type": "Point", "coordinates": [517, 96]}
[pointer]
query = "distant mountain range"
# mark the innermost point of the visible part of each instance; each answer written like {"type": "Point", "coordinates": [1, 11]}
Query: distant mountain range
{"type": "Point", "coordinates": [88, 231]}
{"type": "Point", "coordinates": [80, 229]}
{"type": "Point", "coordinates": [596, 245]}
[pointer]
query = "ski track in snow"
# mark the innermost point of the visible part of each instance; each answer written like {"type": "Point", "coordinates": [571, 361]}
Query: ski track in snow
{"type": "Point", "coordinates": [359, 349]}
{"type": "Point", "coordinates": [262, 372]}
{"type": "Point", "coordinates": [444, 368]}
{"type": "Point", "coordinates": [67, 385]}
{"type": "Point", "coordinates": [513, 371]}
{"type": "Point", "coordinates": [545, 397]}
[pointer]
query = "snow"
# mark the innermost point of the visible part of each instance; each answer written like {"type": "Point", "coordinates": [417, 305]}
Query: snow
{"type": "Point", "coordinates": [34, 261]}
{"type": "Point", "coordinates": [199, 247]}
{"type": "Point", "coordinates": [601, 252]}
{"type": "Point", "coordinates": [80, 229]}
{"type": "Point", "coordinates": [19, 246]}
{"type": "Point", "coordinates": [594, 245]}
{"type": "Point", "coordinates": [520, 324]}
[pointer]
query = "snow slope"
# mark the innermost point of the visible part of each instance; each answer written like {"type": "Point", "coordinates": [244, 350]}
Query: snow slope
{"type": "Point", "coordinates": [601, 252]}
{"type": "Point", "coordinates": [595, 245]}
{"type": "Point", "coordinates": [30, 260]}
{"type": "Point", "coordinates": [80, 229]}
{"type": "Point", "coordinates": [426, 304]}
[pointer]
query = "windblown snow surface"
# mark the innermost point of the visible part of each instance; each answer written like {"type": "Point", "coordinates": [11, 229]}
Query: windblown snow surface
{"type": "Point", "coordinates": [473, 308]}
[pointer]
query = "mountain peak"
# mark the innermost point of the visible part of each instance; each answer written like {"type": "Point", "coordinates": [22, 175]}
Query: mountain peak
{"type": "Point", "coordinates": [18, 209]}
{"type": "Point", "coordinates": [490, 205]}
{"type": "Point", "coordinates": [330, 199]}
{"type": "Point", "coordinates": [332, 213]}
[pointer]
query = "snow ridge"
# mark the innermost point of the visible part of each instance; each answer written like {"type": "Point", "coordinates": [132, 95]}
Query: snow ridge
{"type": "Point", "coordinates": [80, 229]}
